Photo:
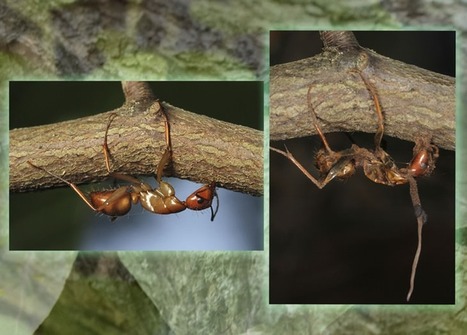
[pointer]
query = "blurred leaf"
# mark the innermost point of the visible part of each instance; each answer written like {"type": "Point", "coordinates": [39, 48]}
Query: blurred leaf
{"type": "Point", "coordinates": [29, 287]}
{"type": "Point", "coordinates": [101, 297]}
{"type": "Point", "coordinates": [203, 292]}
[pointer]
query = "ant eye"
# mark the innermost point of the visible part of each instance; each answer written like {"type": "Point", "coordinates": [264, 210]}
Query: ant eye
{"type": "Point", "coordinates": [200, 200]}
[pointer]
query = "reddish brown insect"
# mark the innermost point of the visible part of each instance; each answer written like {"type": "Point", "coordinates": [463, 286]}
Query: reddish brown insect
{"type": "Point", "coordinates": [377, 165]}
{"type": "Point", "coordinates": [201, 198]}
{"type": "Point", "coordinates": [160, 200]}
{"type": "Point", "coordinates": [423, 162]}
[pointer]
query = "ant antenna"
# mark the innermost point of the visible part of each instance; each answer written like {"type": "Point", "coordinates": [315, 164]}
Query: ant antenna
{"type": "Point", "coordinates": [214, 213]}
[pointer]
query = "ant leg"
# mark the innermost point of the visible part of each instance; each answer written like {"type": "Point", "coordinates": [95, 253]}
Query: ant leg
{"type": "Point", "coordinates": [380, 131]}
{"type": "Point", "coordinates": [117, 175]}
{"type": "Point", "coordinates": [421, 220]}
{"type": "Point", "coordinates": [115, 196]}
{"type": "Point", "coordinates": [214, 212]}
{"type": "Point", "coordinates": [105, 147]}
{"type": "Point", "coordinates": [287, 154]}
{"type": "Point", "coordinates": [73, 186]}
{"type": "Point", "coordinates": [329, 159]}
{"type": "Point", "coordinates": [167, 156]}
{"type": "Point", "coordinates": [315, 122]}
{"type": "Point", "coordinates": [164, 160]}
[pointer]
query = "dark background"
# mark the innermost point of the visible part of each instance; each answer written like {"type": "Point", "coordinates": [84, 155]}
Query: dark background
{"type": "Point", "coordinates": [354, 241]}
{"type": "Point", "coordinates": [59, 220]}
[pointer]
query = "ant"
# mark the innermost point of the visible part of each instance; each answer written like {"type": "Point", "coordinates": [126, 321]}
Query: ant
{"type": "Point", "coordinates": [377, 165]}
{"type": "Point", "coordinates": [160, 200]}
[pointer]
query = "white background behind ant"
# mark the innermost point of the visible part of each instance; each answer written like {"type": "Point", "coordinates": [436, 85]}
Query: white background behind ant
{"type": "Point", "coordinates": [353, 241]}
{"type": "Point", "coordinates": [77, 227]}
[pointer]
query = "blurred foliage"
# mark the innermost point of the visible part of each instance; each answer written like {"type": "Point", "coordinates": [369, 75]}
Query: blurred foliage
{"type": "Point", "coordinates": [101, 297]}
{"type": "Point", "coordinates": [194, 292]}
{"type": "Point", "coordinates": [30, 285]}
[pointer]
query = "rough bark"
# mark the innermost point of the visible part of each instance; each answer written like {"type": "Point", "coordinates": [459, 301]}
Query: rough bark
{"type": "Point", "coordinates": [415, 102]}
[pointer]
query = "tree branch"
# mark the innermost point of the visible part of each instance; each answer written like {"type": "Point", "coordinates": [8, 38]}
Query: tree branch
{"type": "Point", "coordinates": [415, 102]}
{"type": "Point", "coordinates": [204, 149]}
{"type": "Point", "coordinates": [137, 91]}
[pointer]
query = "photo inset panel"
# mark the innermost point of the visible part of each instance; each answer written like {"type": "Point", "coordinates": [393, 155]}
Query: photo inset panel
{"type": "Point", "coordinates": [362, 211]}
{"type": "Point", "coordinates": [92, 168]}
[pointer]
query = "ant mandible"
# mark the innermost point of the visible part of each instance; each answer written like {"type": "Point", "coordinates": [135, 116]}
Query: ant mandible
{"type": "Point", "coordinates": [377, 165]}
{"type": "Point", "coordinates": [160, 200]}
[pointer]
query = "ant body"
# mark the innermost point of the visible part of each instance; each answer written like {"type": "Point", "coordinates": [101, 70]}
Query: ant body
{"type": "Point", "coordinates": [377, 165]}
{"type": "Point", "coordinates": [160, 200]}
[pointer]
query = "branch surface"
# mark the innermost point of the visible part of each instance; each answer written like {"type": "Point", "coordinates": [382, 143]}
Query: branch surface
{"type": "Point", "coordinates": [416, 102]}
{"type": "Point", "coordinates": [204, 149]}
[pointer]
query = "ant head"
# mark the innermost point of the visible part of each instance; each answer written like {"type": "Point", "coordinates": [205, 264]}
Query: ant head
{"type": "Point", "coordinates": [202, 199]}
{"type": "Point", "coordinates": [423, 162]}
{"type": "Point", "coordinates": [424, 158]}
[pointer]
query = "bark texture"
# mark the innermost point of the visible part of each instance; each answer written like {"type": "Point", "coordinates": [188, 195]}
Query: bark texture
{"type": "Point", "coordinates": [204, 149]}
{"type": "Point", "coordinates": [415, 102]}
